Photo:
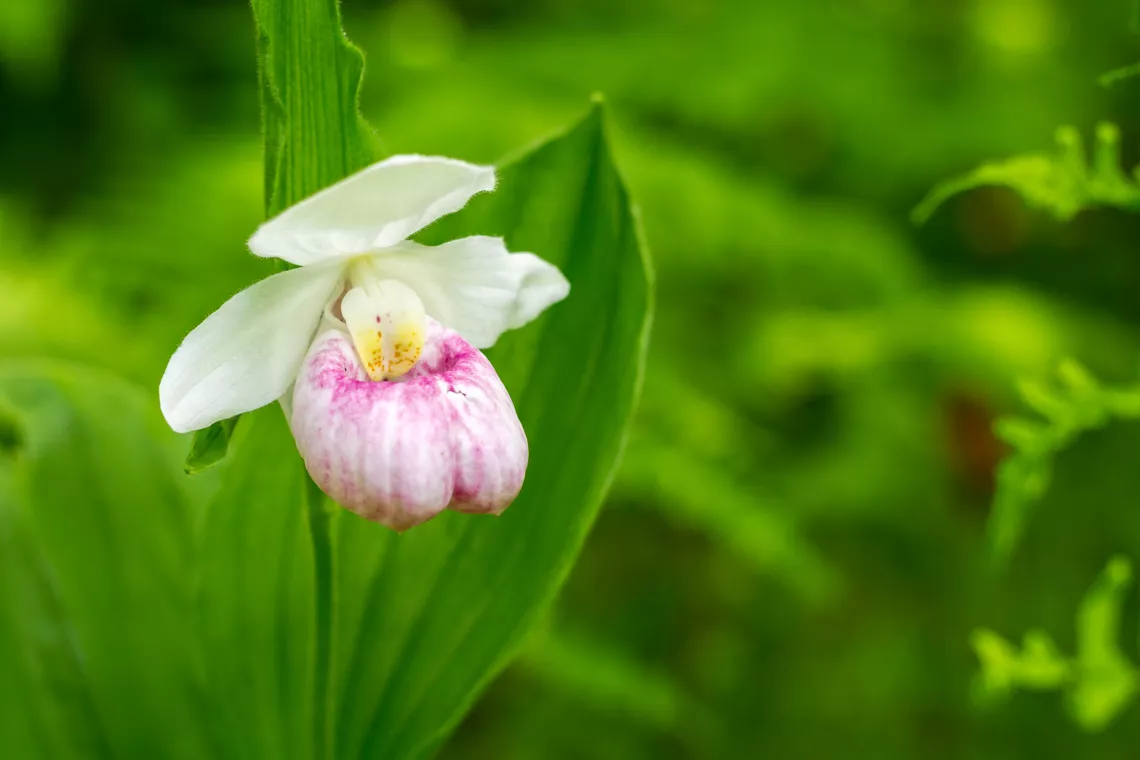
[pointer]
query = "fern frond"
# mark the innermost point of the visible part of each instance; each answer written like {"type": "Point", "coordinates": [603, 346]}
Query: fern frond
{"type": "Point", "coordinates": [1099, 681]}
{"type": "Point", "coordinates": [1072, 405]}
{"type": "Point", "coordinates": [1063, 183]}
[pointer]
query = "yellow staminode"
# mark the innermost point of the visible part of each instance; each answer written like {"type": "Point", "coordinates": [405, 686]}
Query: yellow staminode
{"type": "Point", "coordinates": [387, 323]}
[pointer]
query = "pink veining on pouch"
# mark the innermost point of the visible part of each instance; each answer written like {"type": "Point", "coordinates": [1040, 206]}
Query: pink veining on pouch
{"type": "Point", "coordinates": [398, 452]}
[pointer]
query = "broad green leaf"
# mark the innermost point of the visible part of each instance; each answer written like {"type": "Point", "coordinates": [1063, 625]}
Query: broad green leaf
{"type": "Point", "coordinates": [310, 81]}
{"type": "Point", "coordinates": [332, 634]}
{"type": "Point", "coordinates": [99, 658]}
{"type": "Point", "coordinates": [257, 597]}
{"type": "Point", "coordinates": [309, 75]}
{"type": "Point", "coordinates": [426, 619]}
{"type": "Point", "coordinates": [1062, 184]}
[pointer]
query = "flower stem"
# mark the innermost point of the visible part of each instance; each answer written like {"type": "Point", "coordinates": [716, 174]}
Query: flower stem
{"type": "Point", "coordinates": [322, 517]}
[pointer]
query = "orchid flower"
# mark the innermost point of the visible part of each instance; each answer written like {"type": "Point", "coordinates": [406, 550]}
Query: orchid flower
{"type": "Point", "coordinates": [370, 345]}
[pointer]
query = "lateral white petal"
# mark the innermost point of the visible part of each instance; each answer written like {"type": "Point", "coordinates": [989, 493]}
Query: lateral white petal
{"type": "Point", "coordinates": [474, 285]}
{"type": "Point", "coordinates": [248, 352]}
{"type": "Point", "coordinates": [375, 208]}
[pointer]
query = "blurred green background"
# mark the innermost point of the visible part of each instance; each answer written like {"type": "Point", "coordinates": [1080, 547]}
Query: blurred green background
{"type": "Point", "coordinates": [792, 559]}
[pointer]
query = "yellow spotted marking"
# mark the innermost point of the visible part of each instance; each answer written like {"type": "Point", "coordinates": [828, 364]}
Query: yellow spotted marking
{"type": "Point", "coordinates": [387, 324]}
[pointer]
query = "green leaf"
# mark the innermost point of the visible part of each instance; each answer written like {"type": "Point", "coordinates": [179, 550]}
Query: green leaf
{"type": "Point", "coordinates": [1062, 184]}
{"type": "Point", "coordinates": [309, 75]}
{"type": "Point", "coordinates": [95, 560]}
{"type": "Point", "coordinates": [310, 83]}
{"type": "Point", "coordinates": [209, 446]}
{"type": "Point", "coordinates": [428, 618]}
{"type": "Point", "coordinates": [257, 599]}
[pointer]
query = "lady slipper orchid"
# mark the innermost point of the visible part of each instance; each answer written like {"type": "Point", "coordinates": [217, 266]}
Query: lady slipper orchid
{"type": "Point", "coordinates": [370, 345]}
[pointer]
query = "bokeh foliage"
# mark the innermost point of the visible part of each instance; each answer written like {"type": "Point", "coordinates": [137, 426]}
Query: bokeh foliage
{"type": "Point", "coordinates": [795, 554]}
{"type": "Point", "coordinates": [1100, 679]}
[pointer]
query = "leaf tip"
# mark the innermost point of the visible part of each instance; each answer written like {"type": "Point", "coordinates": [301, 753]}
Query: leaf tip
{"type": "Point", "coordinates": [921, 213]}
{"type": "Point", "coordinates": [209, 446]}
{"type": "Point", "coordinates": [596, 116]}
{"type": "Point", "coordinates": [1119, 570]}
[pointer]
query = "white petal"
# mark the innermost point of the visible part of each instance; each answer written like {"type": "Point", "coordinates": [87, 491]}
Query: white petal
{"type": "Point", "coordinates": [247, 353]}
{"type": "Point", "coordinates": [375, 208]}
{"type": "Point", "coordinates": [398, 452]}
{"type": "Point", "coordinates": [474, 285]}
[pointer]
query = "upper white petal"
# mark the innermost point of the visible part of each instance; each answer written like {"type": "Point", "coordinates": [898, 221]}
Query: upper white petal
{"type": "Point", "coordinates": [375, 208]}
{"type": "Point", "coordinates": [248, 352]}
{"type": "Point", "coordinates": [474, 285]}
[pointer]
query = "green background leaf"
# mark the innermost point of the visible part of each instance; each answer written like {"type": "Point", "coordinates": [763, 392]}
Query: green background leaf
{"type": "Point", "coordinates": [257, 598]}
{"type": "Point", "coordinates": [99, 657]}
